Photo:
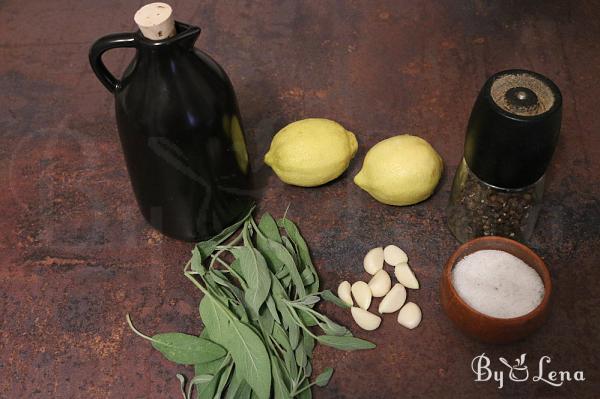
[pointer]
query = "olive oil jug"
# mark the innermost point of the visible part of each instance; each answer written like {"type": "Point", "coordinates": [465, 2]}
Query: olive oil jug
{"type": "Point", "coordinates": [179, 126]}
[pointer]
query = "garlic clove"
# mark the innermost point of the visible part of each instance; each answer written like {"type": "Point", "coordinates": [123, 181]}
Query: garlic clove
{"type": "Point", "coordinates": [362, 294]}
{"type": "Point", "coordinates": [373, 261]}
{"type": "Point", "coordinates": [394, 255]}
{"type": "Point", "coordinates": [406, 276]}
{"type": "Point", "coordinates": [393, 300]}
{"type": "Point", "coordinates": [365, 319]}
{"type": "Point", "coordinates": [410, 315]}
{"type": "Point", "coordinates": [380, 284]}
{"type": "Point", "coordinates": [343, 292]}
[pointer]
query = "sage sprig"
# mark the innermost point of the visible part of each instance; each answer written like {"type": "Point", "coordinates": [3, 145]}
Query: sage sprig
{"type": "Point", "coordinates": [260, 290]}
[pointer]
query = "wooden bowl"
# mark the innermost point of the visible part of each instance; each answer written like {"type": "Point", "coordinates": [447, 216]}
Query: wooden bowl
{"type": "Point", "coordinates": [486, 328]}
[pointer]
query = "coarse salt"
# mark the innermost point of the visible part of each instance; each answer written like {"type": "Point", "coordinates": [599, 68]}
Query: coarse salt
{"type": "Point", "coordinates": [497, 284]}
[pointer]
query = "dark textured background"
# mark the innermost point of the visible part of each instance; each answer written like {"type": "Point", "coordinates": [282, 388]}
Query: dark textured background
{"type": "Point", "coordinates": [75, 254]}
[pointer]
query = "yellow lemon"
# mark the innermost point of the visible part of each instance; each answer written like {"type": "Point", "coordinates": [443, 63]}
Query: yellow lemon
{"type": "Point", "coordinates": [401, 170]}
{"type": "Point", "coordinates": [311, 152]}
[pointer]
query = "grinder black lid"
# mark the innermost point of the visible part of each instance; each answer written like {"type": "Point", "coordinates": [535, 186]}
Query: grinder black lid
{"type": "Point", "coordinates": [513, 128]}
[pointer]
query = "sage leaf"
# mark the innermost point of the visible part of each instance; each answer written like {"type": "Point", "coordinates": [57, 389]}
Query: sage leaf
{"type": "Point", "coordinates": [272, 307]}
{"type": "Point", "coordinates": [269, 228]}
{"type": "Point", "coordinates": [240, 311]}
{"type": "Point", "coordinates": [234, 385]}
{"type": "Point", "coordinates": [223, 380]}
{"type": "Point", "coordinates": [235, 266]}
{"type": "Point", "coordinates": [246, 348]}
{"type": "Point", "coordinates": [196, 262]}
{"type": "Point", "coordinates": [218, 289]}
{"type": "Point", "coordinates": [263, 245]}
{"type": "Point", "coordinates": [218, 278]}
{"type": "Point", "coordinates": [237, 388]}
{"type": "Point", "coordinates": [329, 296]}
{"type": "Point", "coordinates": [280, 390]}
{"type": "Point", "coordinates": [308, 369]}
{"type": "Point", "coordinates": [323, 378]}
{"type": "Point", "coordinates": [289, 245]}
{"type": "Point", "coordinates": [187, 349]}
{"type": "Point", "coordinates": [281, 337]}
{"type": "Point", "coordinates": [284, 256]}
{"type": "Point", "coordinates": [292, 231]}
{"type": "Point", "coordinates": [309, 345]}
{"type": "Point", "coordinates": [286, 281]}
{"type": "Point", "coordinates": [244, 391]}
{"type": "Point", "coordinates": [182, 348]}
{"type": "Point", "coordinates": [197, 380]}
{"type": "Point", "coordinates": [208, 389]}
{"type": "Point", "coordinates": [301, 356]}
{"type": "Point", "coordinates": [256, 274]}
{"type": "Point", "coordinates": [282, 273]}
{"type": "Point", "coordinates": [268, 231]}
{"type": "Point", "coordinates": [266, 322]}
{"type": "Point", "coordinates": [309, 300]}
{"type": "Point", "coordinates": [281, 298]}
{"type": "Point", "coordinates": [290, 362]}
{"type": "Point", "coordinates": [205, 248]}
{"type": "Point", "coordinates": [308, 319]}
{"type": "Point", "coordinates": [346, 343]}
{"type": "Point", "coordinates": [208, 367]}
{"type": "Point", "coordinates": [330, 327]}
{"type": "Point", "coordinates": [307, 277]}
{"type": "Point", "coordinates": [293, 331]}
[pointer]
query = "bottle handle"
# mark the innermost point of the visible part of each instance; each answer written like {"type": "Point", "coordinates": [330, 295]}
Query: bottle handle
{"type": "Point", "coordinates": [116, 40]}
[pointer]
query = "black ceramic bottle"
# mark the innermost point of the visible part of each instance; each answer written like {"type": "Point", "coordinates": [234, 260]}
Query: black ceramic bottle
{"type": "Point", "coordinates": [181, 133]}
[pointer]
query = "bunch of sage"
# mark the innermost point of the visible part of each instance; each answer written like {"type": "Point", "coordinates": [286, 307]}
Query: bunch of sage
{"type": "Point", "coordinates": [258, 310]}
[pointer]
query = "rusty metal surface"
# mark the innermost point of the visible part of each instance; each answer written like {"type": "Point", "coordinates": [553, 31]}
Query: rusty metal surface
{"type": "Point", "coordinates": [75, 254]}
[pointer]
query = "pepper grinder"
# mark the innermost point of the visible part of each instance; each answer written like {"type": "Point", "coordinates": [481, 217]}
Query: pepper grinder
{"type": "Point", "coordinates": [511, 136]}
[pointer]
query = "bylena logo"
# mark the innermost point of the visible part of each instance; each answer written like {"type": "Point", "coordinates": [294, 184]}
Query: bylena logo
{"type": "Point", "coordinates": [519, 372]}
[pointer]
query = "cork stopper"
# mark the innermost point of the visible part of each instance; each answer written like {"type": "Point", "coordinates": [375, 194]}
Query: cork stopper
{"type": "Point", "coordinates": [155, 21]}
